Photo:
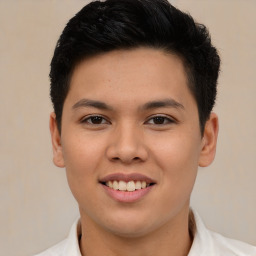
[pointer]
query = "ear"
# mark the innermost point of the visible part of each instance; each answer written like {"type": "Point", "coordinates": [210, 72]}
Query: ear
{"type": "Point", "coordinates": [56, 142]}
{"type": "Point", "coordinates": [209, 141]}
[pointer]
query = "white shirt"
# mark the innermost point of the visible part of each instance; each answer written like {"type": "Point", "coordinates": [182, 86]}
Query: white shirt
{"type": "Point", "coordinates": [205, 243]}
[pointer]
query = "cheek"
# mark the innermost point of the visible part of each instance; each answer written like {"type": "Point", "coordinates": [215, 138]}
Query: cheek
{"type": "Point", "coordinates": [80, 151]}
{"type": "Point", "coordinates": [178, 158]}
{"type": "Point", "coordinates": [82, 156]}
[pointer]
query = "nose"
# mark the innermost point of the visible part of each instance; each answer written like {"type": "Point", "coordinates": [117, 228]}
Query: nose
{"type": "Point", "coordinates": [127, 145]}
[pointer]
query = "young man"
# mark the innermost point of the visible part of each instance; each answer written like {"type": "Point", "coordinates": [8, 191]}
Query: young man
{"type": "Point", "coordinates": [133, 84]}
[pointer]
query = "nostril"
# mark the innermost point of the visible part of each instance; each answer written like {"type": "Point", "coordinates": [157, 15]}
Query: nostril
{"type": "Point", "coordinates": [133, 159]}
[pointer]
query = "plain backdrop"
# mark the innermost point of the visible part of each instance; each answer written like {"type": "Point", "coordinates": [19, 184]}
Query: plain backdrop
{"type": "Point", "coordinates": [36, 206]}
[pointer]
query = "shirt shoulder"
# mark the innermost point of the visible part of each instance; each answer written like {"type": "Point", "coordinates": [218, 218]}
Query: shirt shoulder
{"type": "Point", "coordinates": [207, 242]}
{"type": "Point", "coordinates": [56, 250]}
{"type": "Point", "coordinates": [67, 247]}
{"type": "Point", "coordinates": [231, 247]}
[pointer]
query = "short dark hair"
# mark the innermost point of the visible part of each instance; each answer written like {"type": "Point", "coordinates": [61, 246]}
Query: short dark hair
{"type": "Point", "coordinates": [101, 27]}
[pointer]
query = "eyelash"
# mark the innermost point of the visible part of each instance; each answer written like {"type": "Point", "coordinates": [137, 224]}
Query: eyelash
{"type": "Point", "coordinates": [85, 120]}
{"type": "Point", "coordinates": [166, 120]}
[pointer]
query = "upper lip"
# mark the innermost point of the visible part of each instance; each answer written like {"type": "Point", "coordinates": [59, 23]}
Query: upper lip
{"type": "Point", "coordinates": [127, 177]}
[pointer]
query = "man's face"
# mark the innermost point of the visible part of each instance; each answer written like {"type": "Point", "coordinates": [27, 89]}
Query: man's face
{"type": "Point", "coordinates": [129, 116]}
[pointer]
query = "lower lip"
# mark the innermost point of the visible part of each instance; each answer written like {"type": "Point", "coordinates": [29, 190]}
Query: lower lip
{"type": "Point", "coordinates": [126, 196]}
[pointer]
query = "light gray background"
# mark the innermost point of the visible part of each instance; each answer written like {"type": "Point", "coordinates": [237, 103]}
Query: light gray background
{"type": "Point", "coordinates": [36, 207]}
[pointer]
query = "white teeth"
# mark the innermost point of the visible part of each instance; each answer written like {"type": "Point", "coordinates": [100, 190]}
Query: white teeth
{"type": "Point", "coordinates": [143, 184]}
{"type": "Point", "coordinates": [138, 185]}
{"type": "Point", "coordinates": [115, 185]}
{"type": "Point", "coordinates": [130, 186]}
{"type": "Point", "coordinates": [110, 184]}
{"type": "Point", "coordinates": [127, 186]}
{"type": "Point", "coordinates": [122, 185]}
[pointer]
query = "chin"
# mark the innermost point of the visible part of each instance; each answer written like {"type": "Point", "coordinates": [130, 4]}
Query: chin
{"type": "Point", "coordinates": [130, 231]}
{"type": "Point", "coordinates": [132, 226]}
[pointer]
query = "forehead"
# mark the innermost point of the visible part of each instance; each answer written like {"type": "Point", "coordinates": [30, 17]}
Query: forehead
{"type": "Point", "coordinates": [130, 75]}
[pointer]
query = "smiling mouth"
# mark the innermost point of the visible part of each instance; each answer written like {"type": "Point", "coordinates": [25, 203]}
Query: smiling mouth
{"type": "Point", "coordinates": [129, 186]}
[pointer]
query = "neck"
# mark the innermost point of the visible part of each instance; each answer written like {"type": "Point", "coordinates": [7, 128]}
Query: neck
{"type": "Point", "coordinates": [172, 239]}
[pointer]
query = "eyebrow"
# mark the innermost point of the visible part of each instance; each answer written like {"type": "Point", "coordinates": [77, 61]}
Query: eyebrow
{"type": "Point", "coordinates": [149, 105]}
{"type": "Point", "coordinates": [91, 103]}
{"type": "Point", "coordinates": [162, 103]}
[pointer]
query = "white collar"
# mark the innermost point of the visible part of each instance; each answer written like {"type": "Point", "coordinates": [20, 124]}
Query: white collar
{"type": "Point", "coordinates": [205, 242]}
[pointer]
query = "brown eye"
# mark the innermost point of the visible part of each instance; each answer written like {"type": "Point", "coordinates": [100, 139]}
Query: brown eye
{"type": "Point", "coordinates": [160, 120]}
{"type": "Point", "coordinates": [95, 120]}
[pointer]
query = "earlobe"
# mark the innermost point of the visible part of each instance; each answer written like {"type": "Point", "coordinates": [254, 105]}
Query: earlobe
{"type": "Point", "coordinates": [56, 142]}
{"type": "Point", "coordinates": [209, 141]}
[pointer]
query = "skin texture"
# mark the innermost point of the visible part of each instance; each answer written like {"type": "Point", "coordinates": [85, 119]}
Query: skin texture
{"type": "Point", "coordinates": [129, 139]}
